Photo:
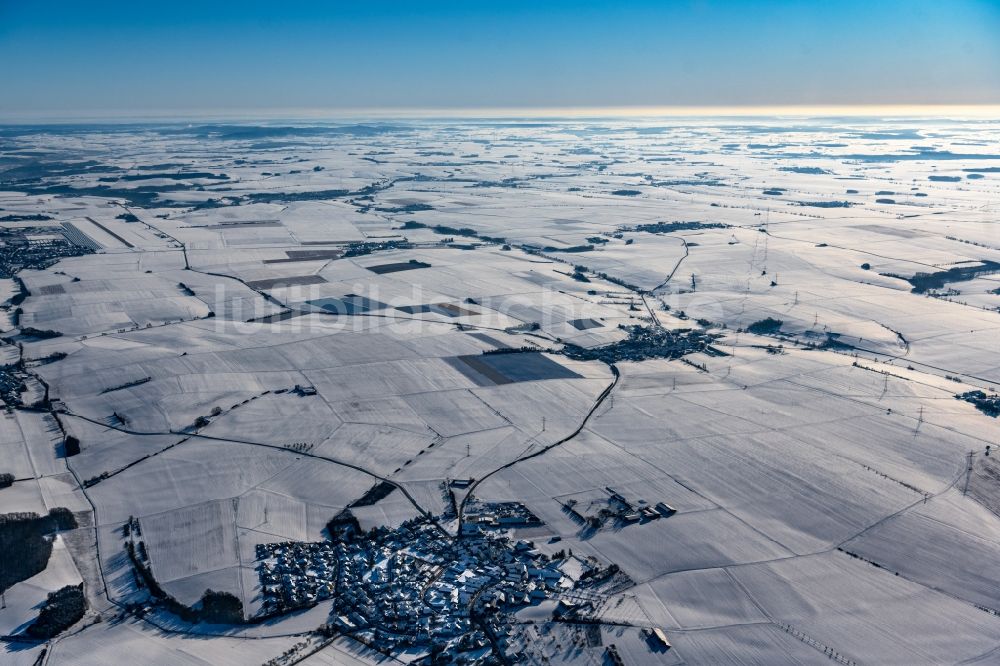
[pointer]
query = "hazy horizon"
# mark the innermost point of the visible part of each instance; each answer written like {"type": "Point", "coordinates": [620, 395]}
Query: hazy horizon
{"type": "Point", "coordinates": [899, 113]}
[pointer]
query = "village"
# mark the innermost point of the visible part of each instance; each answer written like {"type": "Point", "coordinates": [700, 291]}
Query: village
{"type": "Point", "coordinates": [416, 586]}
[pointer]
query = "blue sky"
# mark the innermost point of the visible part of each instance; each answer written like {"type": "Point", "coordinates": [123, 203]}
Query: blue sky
{"type": "Point", "coordinates": [146, 56]}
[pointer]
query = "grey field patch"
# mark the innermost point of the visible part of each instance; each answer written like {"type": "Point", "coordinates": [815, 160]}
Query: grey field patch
{"type": "Point", "coordinates": [488, 340]}
{"type": "Point", "coordinates": [410, 265]}
{"type": "Point", "coordinates": [292, 281]}
{"type": "Point", "coordinates": [280, 317]}
{"type": "Point", "coordinates": [901, 232]}
{"type": "Point", "coordinates": [292, 256]}
{"type": "Point", "coordinates": [536, 278]}
{"type": "Point", "coordinates": [244, 225]}
{"type": "Point", "coordinates": [446, 309]}
{"type": "Point", "coordinates": [508, 368]}
{"type": "Point", "coordinates": [51, 290]}
{"type": "Point", "coordinates": [349, 304]}
{"type": "Point", "coordinates": [585, 324]}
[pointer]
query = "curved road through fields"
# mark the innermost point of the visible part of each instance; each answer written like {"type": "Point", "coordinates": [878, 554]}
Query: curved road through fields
{"type": "Point", "coordinates": [597, 403]}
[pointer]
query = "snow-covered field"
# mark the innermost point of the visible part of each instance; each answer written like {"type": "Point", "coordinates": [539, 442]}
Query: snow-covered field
{"type": "Point", "coordinates": [281, 317]}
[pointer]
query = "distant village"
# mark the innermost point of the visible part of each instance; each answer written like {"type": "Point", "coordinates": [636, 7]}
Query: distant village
{"type": "Point", "coordinates": [40, 247]}
{"type": "Point", "coordinates": [648, 342]}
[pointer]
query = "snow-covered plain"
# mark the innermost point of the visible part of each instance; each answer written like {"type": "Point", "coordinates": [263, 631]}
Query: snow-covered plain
{"type": "Point", "coordinates": [818, 473]}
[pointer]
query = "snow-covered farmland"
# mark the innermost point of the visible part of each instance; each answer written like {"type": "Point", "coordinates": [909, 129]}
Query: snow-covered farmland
{"type": "Point", "coordinates": [275, 326]}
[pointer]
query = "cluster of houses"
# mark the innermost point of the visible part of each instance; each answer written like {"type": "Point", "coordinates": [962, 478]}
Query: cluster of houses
{"type": "Point", "coordinates": [37, 247]}
{"type": "Point", "coordinates": [648, 342]}
{"type": "Point", "coordinates": [618, 510]}
{"type": "Point", "coordinates": [12, 385]}
{"type": "Point", "coordinates": [480, 516]}
{"type": "Point", "coordinates": [414, 585]}
{"type": "Point", "coordinates": [296, 574]}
